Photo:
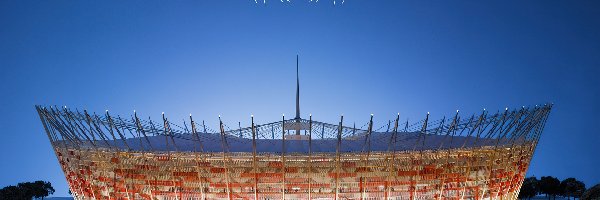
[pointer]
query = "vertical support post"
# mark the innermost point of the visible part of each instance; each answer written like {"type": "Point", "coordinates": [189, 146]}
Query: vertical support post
{"type": "Point", "coordinates": [153, 128]}
{"type": "Point", "coordinates": [283, 156]}
{"type": "Point", "coordinates": [297, 96]}
{"type": "Point", "coordinates": [111, 131]}
{"type": "Point", "coordinates": [370, 130]}
{"type": "Point", "coordinates": [480, 130]}
{"type": "Point", "coordinates": [366, 166]}
{"type": "Point", "coordinates": [338, 157]}
{"type": "Point", "coordinates": [500, 131]}
{"type": "Point", "coordinates": [112, 125]}
{"type": "Point", "coordinates": [139, 128]}
{"type": "Point", "coordinates": [392, 160]}
{"type": "Point", "coordinates": [168, 131]}
{"type": "Point", "coordinates": [388, 126]}
{"type": "Point", "coordinates": [195, 133]}
{"type": "Point", "coordinates": [491, 162]}
{"type": "Point", "coordinates": [361, 188]}
{"type": "Point", "coordinates": [117, 154]}
{"type": "Point", "coordinates": [166, 134]}
{"type": "Point", "coordinates": [310, 157]}
{"type": "Point", "coordinates": [254, 169]}
{"type": "Point", "coordinates": [424, 130]}
{"type": "Point", "coordinates": [240, 129]}
{"type": "Point", "coordinates": [412, 177]}
{"type": "Point", "coordinates": [450, 129]}
{"type": "Point", "coordinates": [323, 132]}
{"type": "Point", "coordinates": [224, 146]}
{"type": "Point", "coordinates": [134, 136]}
{"type": "Point", "coordinates": [423, 133]}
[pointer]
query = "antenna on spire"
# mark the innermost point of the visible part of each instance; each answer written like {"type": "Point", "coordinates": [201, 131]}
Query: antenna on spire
{"type": "Point", "coordinates": [297, 91]}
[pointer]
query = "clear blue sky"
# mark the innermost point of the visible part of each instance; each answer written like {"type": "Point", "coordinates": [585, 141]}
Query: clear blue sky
{"type": "Point", "coordinates": [237, 58]}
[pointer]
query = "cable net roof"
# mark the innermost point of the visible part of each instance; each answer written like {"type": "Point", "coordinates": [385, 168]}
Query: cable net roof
{"type": "Point", "coordinates": [84, 130]}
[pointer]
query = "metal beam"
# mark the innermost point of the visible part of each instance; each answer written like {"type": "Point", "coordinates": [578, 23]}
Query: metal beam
{"type": "Point", "coordinates": [225, 159]}
{"type": "Point", "coordinates": [337, 157]}
{"type": "Point", "coordinates": [254, 169]}
{"type": "Point", "coordinates": [283, 156]}
{"type": "Point", "coordinates": [310, 157]}
{"type": "Point", "coordinates": [391, 161]}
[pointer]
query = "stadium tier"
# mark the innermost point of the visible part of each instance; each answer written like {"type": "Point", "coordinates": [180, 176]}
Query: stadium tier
{"type": "Point", "coordinates": [482, 156]}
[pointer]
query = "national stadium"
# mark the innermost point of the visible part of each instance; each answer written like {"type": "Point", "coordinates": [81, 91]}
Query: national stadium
{"type": "Point", "coordinates": [479, 156]}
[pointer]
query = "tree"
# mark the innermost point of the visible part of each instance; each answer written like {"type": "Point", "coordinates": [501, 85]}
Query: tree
{"type": "Point", "coordinates": [11, 192]}
{"type": "Point", "coordinates": [550, 186]}
{"type": "Point", "coordinates": [592, 194]}
{"type": "Point", "coordinates": [42, 189]}
{"type": "Point", "coordinates": [26, 191]}
{"type": "Point", "coordinates": [529, 188]}
{"type": "Point", "coordinates": [571, 187]}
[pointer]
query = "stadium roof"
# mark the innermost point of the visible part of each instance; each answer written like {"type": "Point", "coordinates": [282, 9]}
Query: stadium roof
{"type": "Point", "coordinates": [82, 129]}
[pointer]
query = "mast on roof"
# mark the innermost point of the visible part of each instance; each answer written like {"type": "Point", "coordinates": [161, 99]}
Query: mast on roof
{"type": "Point", "coordinates": [298, 126]}
{"type": "Point", "coordinates": [297, 92]}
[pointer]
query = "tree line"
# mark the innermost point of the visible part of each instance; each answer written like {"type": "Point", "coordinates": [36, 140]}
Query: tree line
{"type": "Point", "coordinates": [552, 187]}
{"type": "Point", "coordinates": [27, 191]}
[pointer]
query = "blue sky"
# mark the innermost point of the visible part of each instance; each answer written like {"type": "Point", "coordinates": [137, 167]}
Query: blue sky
{"type": "Point", "coordinates": [236, 58]}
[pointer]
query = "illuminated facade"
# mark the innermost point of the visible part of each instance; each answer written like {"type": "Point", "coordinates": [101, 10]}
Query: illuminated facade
{"type": "Point", "coordinates": [479, 157]}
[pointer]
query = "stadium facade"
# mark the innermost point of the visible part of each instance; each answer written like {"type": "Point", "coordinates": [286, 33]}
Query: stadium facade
{"type": "Point", "coordinates": [481, 156]}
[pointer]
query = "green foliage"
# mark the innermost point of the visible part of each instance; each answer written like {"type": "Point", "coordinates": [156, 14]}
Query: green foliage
{"type": "Point", "coordinates": [530, 188]}
{"type": "Point", "coordinates": [26, 191]}
{"type": "Point", "coordinates": [571, 187]}
{"type": "Point", "coordinates": [592, 194]}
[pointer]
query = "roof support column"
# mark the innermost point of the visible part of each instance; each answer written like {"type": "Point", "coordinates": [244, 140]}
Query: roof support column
{"type": "Point", "coordinates": [310, 157]}
{"type": "Point", "coordinates": [391, 162]}
{"type": "Point", "coordinates": [224, 149]}
{"type": "Point", "coordinates": [283, 157]}
{"type": "Point", "coordinates": [366, 166]}
{"type": "Point", "coordinates": [254, 170]}
{"type": "Point", "coordinates": [199, 173]}
{"type": "Point", "coordinates": [338, 158]}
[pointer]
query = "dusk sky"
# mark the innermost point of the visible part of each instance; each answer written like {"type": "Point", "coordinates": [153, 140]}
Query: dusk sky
{"type": "Point", "coordinates": [237, 58]}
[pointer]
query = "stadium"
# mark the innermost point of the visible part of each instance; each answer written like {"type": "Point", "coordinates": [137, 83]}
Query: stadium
{"type": "Point", "coordinates": [479, 156]}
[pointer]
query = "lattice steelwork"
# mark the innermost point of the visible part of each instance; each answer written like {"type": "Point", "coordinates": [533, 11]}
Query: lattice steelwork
{"type": "Point", "coordinates": [482, 156]}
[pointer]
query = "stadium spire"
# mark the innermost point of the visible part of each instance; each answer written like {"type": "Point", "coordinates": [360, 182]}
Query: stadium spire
{"type": "Point", "coordinates": [297, 91]}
